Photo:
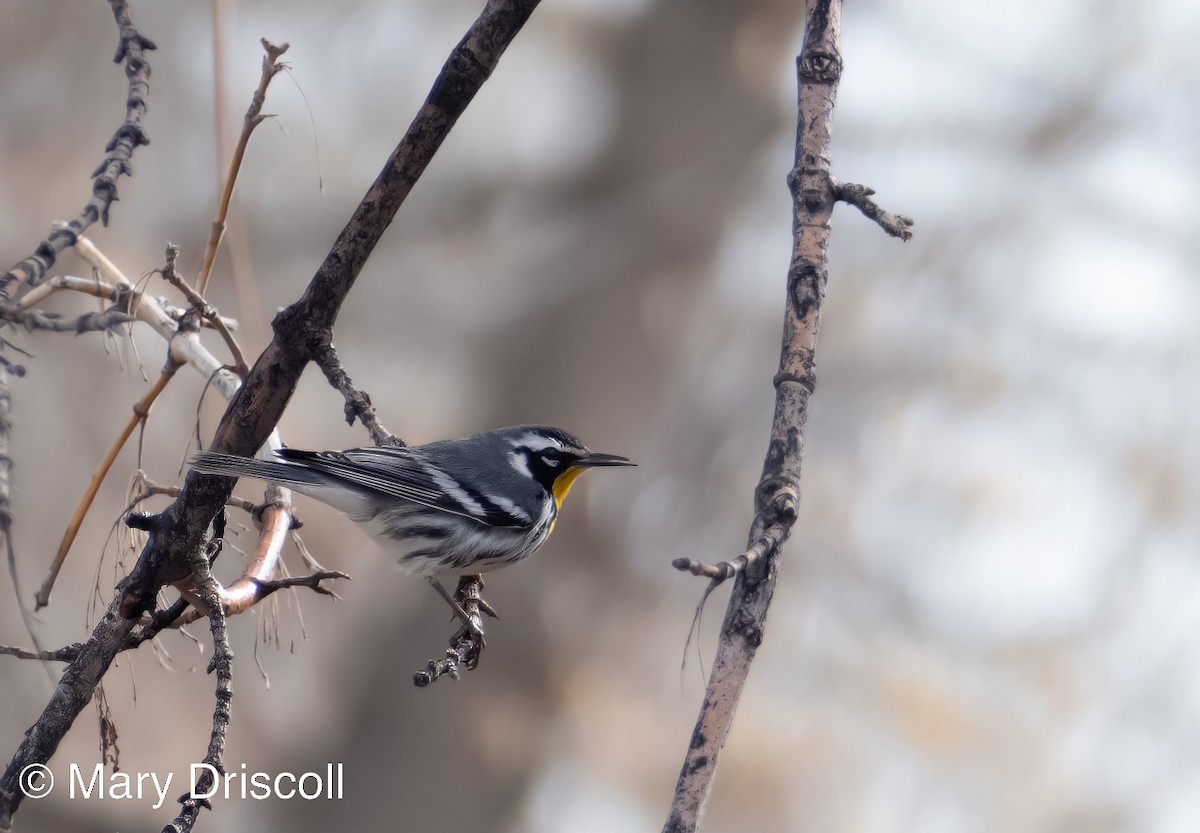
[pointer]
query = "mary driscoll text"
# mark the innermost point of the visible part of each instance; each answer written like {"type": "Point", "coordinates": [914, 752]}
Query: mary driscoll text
{"type": "Point", "coordinates": [203, 781]}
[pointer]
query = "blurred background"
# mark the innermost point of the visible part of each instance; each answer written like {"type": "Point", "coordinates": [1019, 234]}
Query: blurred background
{"type": "Point", "coordinates": [988, 616]}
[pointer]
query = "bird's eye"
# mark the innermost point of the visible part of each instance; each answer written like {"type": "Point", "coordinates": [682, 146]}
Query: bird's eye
{"type": "Point", "coordinates": [550, 461]}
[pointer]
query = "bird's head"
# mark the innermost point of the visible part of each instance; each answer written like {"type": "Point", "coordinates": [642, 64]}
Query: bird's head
{"type": "Point", "coordinates": [555, 458]}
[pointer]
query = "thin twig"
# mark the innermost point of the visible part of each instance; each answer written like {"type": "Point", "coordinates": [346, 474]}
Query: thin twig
{"type": "Point", "coordinates": [358, 403]}
{"type": "Point", "coordinates": [152, 627]}
{"type": "Point", "coordinates": [90, 322]}
{"type": "Point", "coordinates": [67, 653]}
{"type": "Point", "coordinates": [126, 296]}
{"type": "Point", "coordinates": [254, 117]}
{"type": "Point", "coordinates": [185, 346]}
{"type": "Point", "coordinates": [204, 309]}
{"type": "Point", "coordinates": [141, 412]}
{"type": "Point", "coordinates": [93, 286]}
{"type": "Point", "coordinates": [859, 196]}
{"type": "Point", "coordinates": [312, 582]}
{"type": "Point", "coordinates": [151, 489]}
{"type": "Point", "coordinates": [725, 570]}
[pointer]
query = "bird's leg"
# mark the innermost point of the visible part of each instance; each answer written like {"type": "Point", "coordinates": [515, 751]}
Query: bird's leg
{"type": "Point", "coordinates": [472, 627]}
{"type": "Point", "coordinates": [470, 589]}
{"type": "Point", "coordinates": [469, 595]}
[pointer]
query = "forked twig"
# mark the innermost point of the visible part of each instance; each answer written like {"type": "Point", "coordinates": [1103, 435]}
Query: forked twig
{"type": "Point", "coordinates": [204, 309]}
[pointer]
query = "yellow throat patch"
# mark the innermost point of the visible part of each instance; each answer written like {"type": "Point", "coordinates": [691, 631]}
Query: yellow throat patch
{"type": "Point", "coordinates": [562, 485]}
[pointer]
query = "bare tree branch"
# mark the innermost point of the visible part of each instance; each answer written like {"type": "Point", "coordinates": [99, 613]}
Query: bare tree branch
{"type": "Point", "coordinates": [205, 310]}
{"type": "Point", "coordinates": [358, 403]}
{"type": "Point", "coordinates": [859, 196]}
{"type": "Point", "coordinates": [90, 322]}
{"type": "Point", "coordinates": [467, 643]}
{"type": "Point", "coordinates": [776, 498]}
{"type": "Point", "coordinates": [222, 663]}
{"type": "Point", "coordinates": [254, 117]}
{"type": "Point", "coordinates": [129, 136]}
{"type": "Point", "coordinates": [141, 412]}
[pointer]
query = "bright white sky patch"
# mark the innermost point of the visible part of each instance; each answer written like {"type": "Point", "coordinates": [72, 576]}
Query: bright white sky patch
{"type": "Point", "coordinates": [1112, 289]}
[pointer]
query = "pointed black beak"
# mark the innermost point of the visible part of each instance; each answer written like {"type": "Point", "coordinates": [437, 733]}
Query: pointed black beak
{"type": "Point", "coordinates": [595, 459]}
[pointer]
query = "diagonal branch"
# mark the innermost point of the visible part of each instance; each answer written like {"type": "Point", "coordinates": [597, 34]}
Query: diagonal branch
{"type": "Point", "coordinates": [181, 528]}
{"type": "Point", "coordinates": [141, 412]}
{"type": "Point", "coordinates": [254, 117]}
{"type": "Point", "coordinates": [358, 403]}
{"type": "Point", "coordinates": [776, 498]}
{"type": "Point", "coordinates": [129, 136]}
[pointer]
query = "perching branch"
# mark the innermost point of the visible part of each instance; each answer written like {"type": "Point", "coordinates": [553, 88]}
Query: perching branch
{"type": "Point", "coordinates": [180, 530]}
{"type": "Point", "coordinates": [467, 643]}
{"type": "Point", "coordinates": [776, 498]}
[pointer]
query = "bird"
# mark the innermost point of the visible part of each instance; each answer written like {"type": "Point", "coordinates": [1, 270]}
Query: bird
{"type": "Point", "coordinates": [447, 508]}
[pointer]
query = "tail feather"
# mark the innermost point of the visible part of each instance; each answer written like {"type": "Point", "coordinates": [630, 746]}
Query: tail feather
{"type": "Point", "coordinates": [231, 465]}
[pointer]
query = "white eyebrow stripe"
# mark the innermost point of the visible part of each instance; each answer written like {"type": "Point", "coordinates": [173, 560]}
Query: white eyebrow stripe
{"type": "Point", "coordinates": [537, 442]}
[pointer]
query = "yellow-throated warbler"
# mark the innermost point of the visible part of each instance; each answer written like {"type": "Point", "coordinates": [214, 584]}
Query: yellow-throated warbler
{"type": "Point", "coordinates": [453, 507]}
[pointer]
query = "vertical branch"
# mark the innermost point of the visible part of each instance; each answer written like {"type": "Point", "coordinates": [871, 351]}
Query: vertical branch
{"type": "Point", "coordinates": [6, 543]}
{"type": "Point", "coordinates": [222, 664]}
{"type": "Point", "coordinates": [5, 460]}
{"type": "Point", "coordinates": [777, 496]}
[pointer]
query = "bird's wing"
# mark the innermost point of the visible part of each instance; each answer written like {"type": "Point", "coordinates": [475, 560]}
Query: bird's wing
{"type": "Point", "coordinates": [398, 472]}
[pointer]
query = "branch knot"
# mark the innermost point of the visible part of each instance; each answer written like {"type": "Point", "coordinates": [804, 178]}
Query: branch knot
{"type": "Point", "coordinates": [820, 63]}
